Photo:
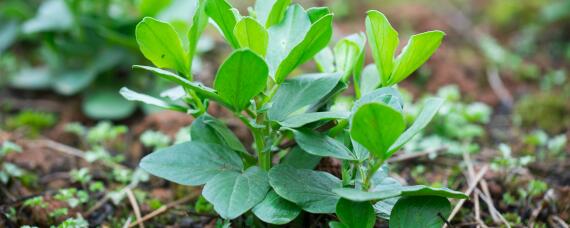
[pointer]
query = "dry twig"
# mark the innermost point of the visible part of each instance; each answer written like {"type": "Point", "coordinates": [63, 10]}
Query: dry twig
{"type": "Point", "coordinates": [165, 208]}
{"type": "Point", "coordinates": [135, 206]}
{"type": "Point", "coordinates": [470, 190]}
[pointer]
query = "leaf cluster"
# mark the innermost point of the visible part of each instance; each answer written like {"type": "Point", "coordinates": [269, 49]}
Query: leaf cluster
{"type": "Point", "coordinates": [258, 84]}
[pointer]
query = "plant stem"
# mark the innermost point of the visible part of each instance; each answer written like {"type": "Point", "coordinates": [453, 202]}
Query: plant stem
{"type": "Point", "coordinates": [272, 93]}
{"type": "Point", "coordinates": [371, 171]}
{"type": "Point", "coordinates": [263, 155]}
{"type": "Point", "coordinates": [197, 102]}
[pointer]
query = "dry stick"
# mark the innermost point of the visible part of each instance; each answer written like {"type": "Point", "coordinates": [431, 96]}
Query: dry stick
{"type": "Point", "coordinates": [107, 197]}
{"type": "Point", "coordinates": [478, 211]}
{"type": "Point", "coordinates": [164, 209]}
{"type": "Point", "coordinates": [492, 208]}
{"type": "Point", "coordinates": [495, 214]}
{"type": "Point", "coordinates": [536, 211]}
{"type": "Point", "coordinates": [555, 219]}
{"type": "Point", "coordinates": [470, 178]}
{"type": "Point", "coordinates": [59, 147]}
{"type": "Point", "coordinates": [135, 206]}
{"type": "Point", "coordinates": [499, 87]}
{"type": "Point", "coordinates": [472, 186]}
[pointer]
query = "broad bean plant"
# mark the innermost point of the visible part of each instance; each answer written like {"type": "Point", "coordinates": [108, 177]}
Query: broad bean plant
{"type": "Point", "coordinates": [296, 120]}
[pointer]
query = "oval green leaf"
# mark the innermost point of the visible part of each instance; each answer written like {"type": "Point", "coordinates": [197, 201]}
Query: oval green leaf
{"type": "Point", "coordinates": [221, 12]}
{"type": "Point", "coordinates": [191, 163]}
{"type": "Point", "coordinates": [314, 41]}
{"type": "Point", "coordinates": [321, 145]}
{"type": "Point", "coordinates": [233, 193]}
{"type": "Point", "coordinates": [376, 126]}
{"type": "Point", "coordinates": [276, 210]}
{"type": "Point", "coordinates": [134, 96]}
{"type": "Point", "coordinates": [160, 44]}
{"type": "Point", "coordinates": [429, 110]}
{"type": "Point", "coordinates": [302, 119]}
{"type": "Point", "coordinates": [241, 77]}
{"type": "Point", "coordinates": [419, 49]}
{"type": "Point", "coordinates": [383, 40]}
{"type": "Point", "coordinates": [424, 211]}
{"type": "Point", "coordinates": [301, 92]}
{"type": "Point", "coordinates": [355, 214]}
{"type": "Point", "coordinates": [310, 190]}
{"type": "Point", "coordinates": [250, 34]}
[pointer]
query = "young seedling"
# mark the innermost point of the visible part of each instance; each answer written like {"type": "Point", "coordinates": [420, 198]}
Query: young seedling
{"type": "Point", "coordinates": [291, 119]}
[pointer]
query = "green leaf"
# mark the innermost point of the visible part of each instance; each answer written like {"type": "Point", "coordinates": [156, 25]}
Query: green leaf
{"type": "Point", "coordinates": [429, 211]}
{"type": "Point", "coordinates": [335, 224]}
{"type": "Point", "coordinates": [346, 56]}
{"type": "Point", "coordinates": [325, 60]}
{"type": "Point", "coordinates": [310, 190]}
{"type": "Point", "coordinates": [421, 190]}
{"type": "Point", "coordinates": [360, 39]}
{"type": "Point", "coordinates": [384, 208]}
{"type": "Point", "coordinates": [418, 50]}
{"type": "Point", "coordinates": [208, 129]}
{"type": "Point", "coordinates": [376, 126]}
{"type": "Point", "coordinates": [221, 12]}
{"type": "Point", "coordinates": [160, 44]}
{"type": "Point", "coordinates": [152, 7]}
{"type": "Point", "coordinates": [276, 210]}
{"type": "Point", "coordinates": [270, 12]}
{"type": "Point", "coordinates": [8, 34]}
{"type": "Point", "coordinates": [325, 100]}
{"type": "Point", "coordinates": [199, 23]}
{"type": "Point", "coordinates": [386, 95]}
{"type": "Point", "coordinates": [32, 78]}
{"type": "Point", "coordinates": [429, 110]}
{"type": "Point", "coordinates": [301, 92]}
{"type": "Point", "coordinates": [73, 81]}
{"type": "Point", "coordinates": [284, 36]}
{"type": "Point", "coordinates": [314, 41]}
{"type": "Point", "coordinates": [321, 145]}
{"type": "Point", "coordinates": [362, 196]}
{"type": "Point", "coordinates": [392, 189]}
{"type": "Point", "coordinates": [233, 193]}
{"type": "Point", "coordinates": [106, 103]}
{"type": "Point", "coordinates": [191, 163]}
{"type": "Point", "coordinates": [241, 77]}
{"type": "Point", "coordinates": [359, 151]}
{"type": "Point", "coordinates": [299, 120]}
{"type": "Point", "coordinates": [300, 159]}
{"type": "Point", "coordinates": [134, 96]}
{"type": "Point", "coordinates": [316, 13]}
{"type": "Point", "coordinates": [370, 80]}
{"type": "Point", "coordinates": [355, 214]}
{"type": "Point", "coordinates": [383, 40]}
{"type": "Point", "coordinates": [197, 87]}
{"type": "Point", "coordinates": [250, 34]}
{"type": "Point", "coordinates": [53, 15]}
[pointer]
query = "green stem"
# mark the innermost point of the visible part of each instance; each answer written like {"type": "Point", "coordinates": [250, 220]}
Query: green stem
{"type": "Point", "coordinates": [371, 171]}
{"type": "Point", "coordinates": [198, 102]}
{"type": "Point", "coordinates": [263, 155]}
{"type": "Point", "coordinates": [272, 93]}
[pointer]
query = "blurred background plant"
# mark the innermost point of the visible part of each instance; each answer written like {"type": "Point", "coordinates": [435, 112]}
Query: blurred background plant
{"type": "Point", "coordinates": [82, 47]}
{"type": "Point", "coordinates": [502, 69]}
